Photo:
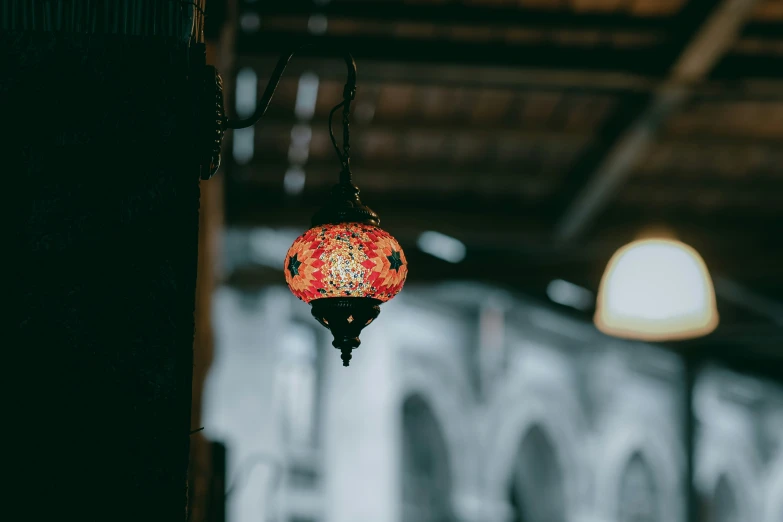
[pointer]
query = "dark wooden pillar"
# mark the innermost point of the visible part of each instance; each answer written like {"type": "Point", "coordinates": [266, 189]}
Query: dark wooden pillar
{"type": "Point", "coordinates": [205, 479]}
{"type": "Point", "coordinates": [102, 193]}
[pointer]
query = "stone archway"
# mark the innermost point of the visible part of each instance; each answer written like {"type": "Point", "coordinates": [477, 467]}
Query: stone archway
{"type": "Point", "coordinates": [723, 506]}
{"type": "Point", "coordinates": [625, 437]}
{"type": "Point", "coordinates": [639, 499]}
{"type": "Point", "coordinates": [729, 478]}
{"type": "Point", "coordinates": [439, 383]}
{"type": "Point", "coordinates": [774, 493]}
{"type": "Point", "coordinates": [426, 474]}
{"type": "Point", "coordinates": [549, 406]}
{"type": "Point", "coordinates": [537, 489]}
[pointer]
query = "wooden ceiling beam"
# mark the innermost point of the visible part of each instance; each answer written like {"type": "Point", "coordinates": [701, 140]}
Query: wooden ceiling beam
{"type": "Point", "coordinates": [732, 291]}
{"type": "Point", "coordinates": [711, 39]}
{"type": "Point", "coordinates": [536, 55]}
{"type": "Point", "coordinates": [490, 135]}
{"type": "Point", "coordinates": [281, 125]}
{"type": "Point", "coordinates": [494, 130]}
{"type": "Point", "coordinates": [456, 74]}
{"type": "Point", "coordinates": [390, 12]}
{"type": "Point", "coordinates": [771, 29]}
{"type": "Point", "coordinates": [507, 222]}
{"type": "Point", "coordinates": [748, 66]}
{"type": "Point", "coordinates": [674, 188]}
{"type": "Point", "coordinates": [433, 177]}
{"type": "Point", "coordinates": [755, 82]}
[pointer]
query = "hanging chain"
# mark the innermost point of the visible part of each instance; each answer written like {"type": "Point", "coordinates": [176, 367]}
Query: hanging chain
{"type": "Point", "coordinates": [346, 137]}
{"type": "Point", "coordinates": [349, 93]}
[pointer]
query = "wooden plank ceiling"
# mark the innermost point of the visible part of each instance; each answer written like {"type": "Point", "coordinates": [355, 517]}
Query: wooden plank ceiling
{"type": "Point", "coordinates": [484, 119]}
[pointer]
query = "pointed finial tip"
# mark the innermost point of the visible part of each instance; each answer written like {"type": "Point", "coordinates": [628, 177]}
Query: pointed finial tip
{"type": "Point", "coordinates": [346, 356]}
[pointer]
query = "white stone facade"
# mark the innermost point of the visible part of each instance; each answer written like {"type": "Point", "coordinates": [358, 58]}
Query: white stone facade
{"type": "Point", "coordinates": [494, 371]}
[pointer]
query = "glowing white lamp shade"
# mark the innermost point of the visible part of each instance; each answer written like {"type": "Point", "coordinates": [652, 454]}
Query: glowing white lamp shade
{"type": "Point", "coordinates": [656, 290]}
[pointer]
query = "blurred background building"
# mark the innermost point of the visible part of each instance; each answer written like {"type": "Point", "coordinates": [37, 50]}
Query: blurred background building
{"type": "Point", "coordinates": [512, 147]}
{"type": "Point", "coordinates": [465, 403]}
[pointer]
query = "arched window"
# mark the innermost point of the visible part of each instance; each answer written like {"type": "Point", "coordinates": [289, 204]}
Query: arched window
{"type": "Point", "coordinates": [639, 500]}
{"type": "Point", "coordinates": [537, 486]}
{"type": "Point", "coordinates": [723, 507]}
{"type": "Point", "coordinates": [426, 478]}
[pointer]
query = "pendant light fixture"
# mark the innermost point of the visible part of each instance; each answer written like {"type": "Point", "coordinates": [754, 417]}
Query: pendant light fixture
{"type": "Point", "coordinates": [656, 290]}
{"type": "Point", "coordinates": [345, 265]}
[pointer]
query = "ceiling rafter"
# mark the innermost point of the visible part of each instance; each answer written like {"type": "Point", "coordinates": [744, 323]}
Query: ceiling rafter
{"type": "Point", "coordinates": [386, 59]}
{"type": "Point", "coordinates": [711, 39]}
{"type": "Point", "coordinates": [455, 13]}
{"type": "Point", "coordinates": [644, 61]}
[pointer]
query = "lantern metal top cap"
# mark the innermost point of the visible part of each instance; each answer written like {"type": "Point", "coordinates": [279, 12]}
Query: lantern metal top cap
{"type": "Point", "coordinates": [345, 206]}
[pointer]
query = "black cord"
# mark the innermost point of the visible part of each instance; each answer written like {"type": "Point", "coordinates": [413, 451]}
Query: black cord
{"type": "Point", "coordinates": [349, 93]}
{"type": "Point", "coordinates": [331, 132]}
{"type": "Point", "coordinates": [274, 80]}
{"type": "Point", "coordinates": [345, 173]}
{"type": "Point", "coordinates": [266, 97]}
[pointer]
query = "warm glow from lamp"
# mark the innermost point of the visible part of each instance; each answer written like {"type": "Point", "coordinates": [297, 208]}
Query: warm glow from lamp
{"type": "Point", "coordinates": [656, 290]}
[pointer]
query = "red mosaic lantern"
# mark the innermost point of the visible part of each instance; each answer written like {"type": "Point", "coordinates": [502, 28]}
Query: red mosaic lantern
{"type": "Point", "coordinates": [345, 260]}
{"type": "Point", "coordinates": [345, 266]}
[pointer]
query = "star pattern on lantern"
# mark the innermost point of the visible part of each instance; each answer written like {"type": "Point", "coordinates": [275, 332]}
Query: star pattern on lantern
{"type": "Point", "coordinates": [394, 260]}
{"type": "Point", "coordinates": [293, 265]}
{"type": "Point", "coordinates": [346, 260]}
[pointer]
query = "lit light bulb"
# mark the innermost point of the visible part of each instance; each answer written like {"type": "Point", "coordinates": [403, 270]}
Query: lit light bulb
{"type": "Point", "coordinates": [656, 290]}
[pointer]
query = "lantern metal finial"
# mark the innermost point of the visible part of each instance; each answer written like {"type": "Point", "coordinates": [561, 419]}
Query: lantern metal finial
{"type": "Point", "coordinates": [345, 270]}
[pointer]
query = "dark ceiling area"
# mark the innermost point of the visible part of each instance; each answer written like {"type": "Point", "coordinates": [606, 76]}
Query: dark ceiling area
{"type": "Point", "coordinates": [543, 134]}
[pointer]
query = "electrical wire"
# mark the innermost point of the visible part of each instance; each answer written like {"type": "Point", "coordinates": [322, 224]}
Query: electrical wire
{"type": "Point", "coordinates": [266, 97]}
{"type": "Point", "coordinates": [274, 80]}
{"type": "Point", "coordinates": [349, 92]}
